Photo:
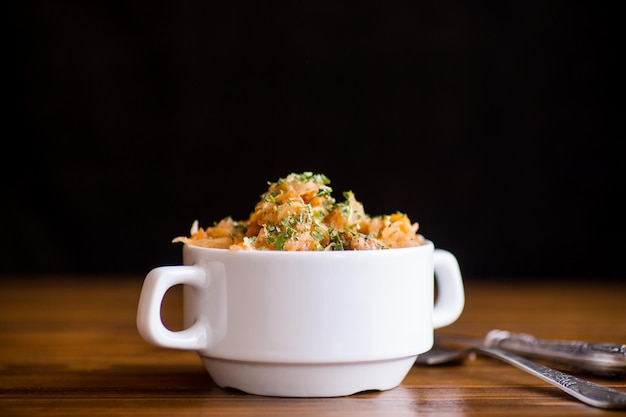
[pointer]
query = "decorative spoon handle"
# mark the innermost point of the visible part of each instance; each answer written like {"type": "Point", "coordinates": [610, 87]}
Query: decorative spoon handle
{"type": "Point", "coordinates": [586, 391]}
{"type": "Point", "coordinates": [608, 359]}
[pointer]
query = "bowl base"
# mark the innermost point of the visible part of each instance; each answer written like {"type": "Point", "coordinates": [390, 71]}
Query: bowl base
{"type": "Point", "coordinates": [308, 380]}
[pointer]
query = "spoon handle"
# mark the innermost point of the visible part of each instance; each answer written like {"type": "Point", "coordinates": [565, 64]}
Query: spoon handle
{"type": "Point", "coordinates": [586, 391]}
{"type": "Point", "coordinates": [608, 359]}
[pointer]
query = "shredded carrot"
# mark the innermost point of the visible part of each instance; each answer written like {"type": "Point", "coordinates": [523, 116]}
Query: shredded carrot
{"type": "Point", "coordinates": [298, 213]}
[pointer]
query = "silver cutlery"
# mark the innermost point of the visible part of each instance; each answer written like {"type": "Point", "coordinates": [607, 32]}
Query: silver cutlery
{"type": "Point", "coordinates": [602, 359]}
{"type": "Point", "coordinates": [588, 392]}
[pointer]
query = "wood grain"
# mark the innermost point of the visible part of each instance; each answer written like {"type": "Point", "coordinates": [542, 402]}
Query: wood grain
{"type": "Point", "coordinates": [69, 346]}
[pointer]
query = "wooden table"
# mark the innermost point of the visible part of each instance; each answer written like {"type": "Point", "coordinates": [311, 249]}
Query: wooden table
{"type": "Point", "coordinates": [69, 346]}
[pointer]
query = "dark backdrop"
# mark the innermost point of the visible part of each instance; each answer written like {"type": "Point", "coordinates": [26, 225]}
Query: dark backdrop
{"type": "Point", "coordinates": [492, 124]}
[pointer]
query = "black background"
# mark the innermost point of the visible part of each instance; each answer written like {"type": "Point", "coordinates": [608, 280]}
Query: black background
{"type": "Point", "coordinates": [495, 125]}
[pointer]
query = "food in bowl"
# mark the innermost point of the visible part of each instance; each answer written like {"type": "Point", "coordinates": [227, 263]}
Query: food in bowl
{"type": "Point", "coordinates": [299, 213]}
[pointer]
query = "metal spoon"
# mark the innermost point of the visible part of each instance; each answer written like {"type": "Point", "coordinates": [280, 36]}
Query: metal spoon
{"type": "Point", "coordinates": [588, 392]}
{"type": "Point", "coordinates": [600, 359]}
